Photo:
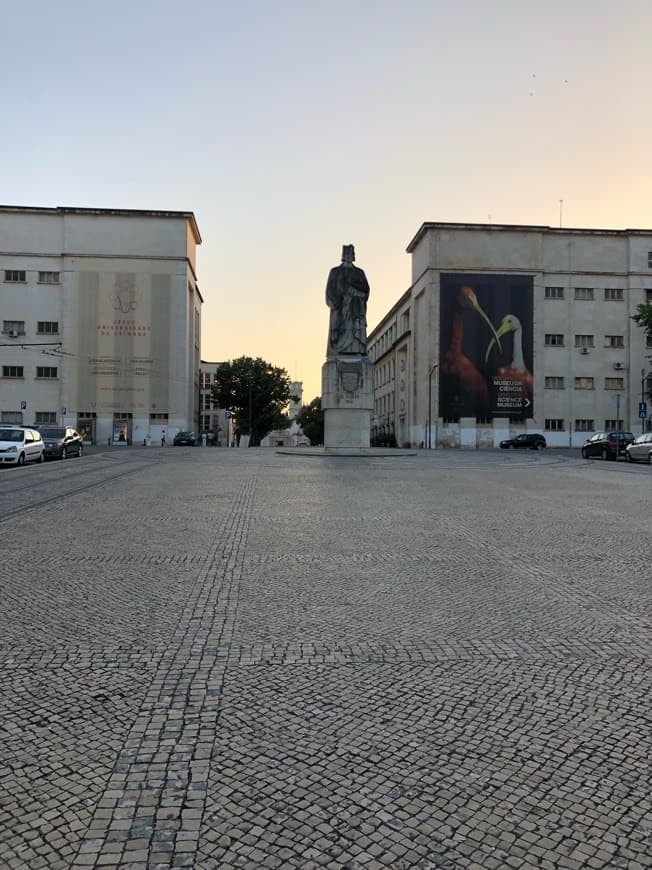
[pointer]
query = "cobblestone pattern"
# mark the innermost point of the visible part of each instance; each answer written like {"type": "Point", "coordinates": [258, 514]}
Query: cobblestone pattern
{"type": "Point", "coordinates": [238, 659]}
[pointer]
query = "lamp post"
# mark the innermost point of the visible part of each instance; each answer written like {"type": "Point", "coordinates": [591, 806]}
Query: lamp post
{"type": "Point", "coordinates": [430, 374]}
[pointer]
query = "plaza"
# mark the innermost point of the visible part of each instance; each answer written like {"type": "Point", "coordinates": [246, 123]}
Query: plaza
{"type": "Point", "coordinates": [236, 658]}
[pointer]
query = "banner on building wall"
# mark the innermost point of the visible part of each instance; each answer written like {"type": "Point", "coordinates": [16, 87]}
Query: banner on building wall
{"type": "Point", "coordinates": [486, 346]}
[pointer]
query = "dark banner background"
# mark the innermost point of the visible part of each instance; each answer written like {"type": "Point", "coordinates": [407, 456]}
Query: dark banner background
{"type": "Point", "coordinates": [469, 386]}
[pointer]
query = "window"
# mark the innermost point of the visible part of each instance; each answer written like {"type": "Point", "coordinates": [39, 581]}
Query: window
{"type": "Point", "coordinates": [47, 327]}
{"type": "Point", "coordinates": [47, 372]}
{"type": "Point", "coordinates": [45, 417]}
{"type": "Point", "coordinates": [584, 294]}
{"type": "Point", "coordinates": [583, 383]}
{"type": "Point", "coordinates": [614, 425]}
{"type": "Point", "coordinates": [405, 321]}
{"type": "Point", "coordinates": [554, 340]}
{"type": "Point", "coordinates": [15, 417]}
{"type": "Point", "coordinates": [554, 425]}
{"type": "Point", "coordinates": [613, 294]}
{"type": "Point", "coordinates": [12, 371]}
{"type": "Point", "coordinates": [15, 327]}
{"type": "Point", "coordinates": [614, 383]}
{"type": "Point", "coordinates": [158, 418]}
{"type": "Point", "coordinates": [648, 296]}
{"type": "Point", "coordinates": [15, 276]}
{"type": "Point", "coordinates": [584, 425]}
{"type": "Point", "coordinates": [614, 341]}
{"type": "Point", "coordinates": [554, 383]}
{"type": "Point", "coordinates": [583, 341]}
{"type": "Point", "coordinates": [48, 277]}
{"type": "Point", "coordinates": [648, 341]}
{"type": "Point", "coordinates": [649, 259]}
{"type": "Point", "coordinates": [554, 293]}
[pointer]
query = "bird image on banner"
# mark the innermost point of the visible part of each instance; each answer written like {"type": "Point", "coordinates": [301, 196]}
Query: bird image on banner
{"type": "Point", "coordinates": [516, 369]}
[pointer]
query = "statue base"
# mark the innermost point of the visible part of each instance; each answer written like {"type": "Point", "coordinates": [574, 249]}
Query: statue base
{"type": "Point", "coordinates": [347, 400]}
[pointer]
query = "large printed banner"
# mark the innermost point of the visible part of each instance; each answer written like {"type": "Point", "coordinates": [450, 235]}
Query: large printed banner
{"type": "Point", "coordinates": [485, 340]}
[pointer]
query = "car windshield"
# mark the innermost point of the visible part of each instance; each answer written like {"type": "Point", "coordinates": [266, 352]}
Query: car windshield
{"type": "Point", "coordinates": [11, 434]}
{"type": "Point", "coordinates": [621, 436]}
{"type": "Point", "coordinates": [53, 433]}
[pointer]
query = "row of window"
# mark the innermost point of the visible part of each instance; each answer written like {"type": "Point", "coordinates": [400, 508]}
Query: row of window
{"type": "Point", "coordinates": [557, 339]}
{"type": "Point", "coordinates": [587, 294]}
{"type": "Point", "coordinates": [19, 372]}
{"type": "Point", "coordinates": [557, 425]}
{"type": "Point", "coordinates": [19, 276]}
{"type": "Point", "coordinates": [17, 327]}
{"type": "Point", "coordinates": [584, 383]}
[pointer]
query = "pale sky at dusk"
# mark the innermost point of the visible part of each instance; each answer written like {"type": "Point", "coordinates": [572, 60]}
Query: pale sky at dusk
{"type": "Point", "coordinates": [291, 128]}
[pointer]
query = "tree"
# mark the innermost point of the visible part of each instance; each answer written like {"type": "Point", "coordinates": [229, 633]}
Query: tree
{"type": "Point", "coordinates": [643, 318]}
{"type": "Point", "coordinates": [255, 392]}
{"type": "Point", "coordinates": [311, 420]}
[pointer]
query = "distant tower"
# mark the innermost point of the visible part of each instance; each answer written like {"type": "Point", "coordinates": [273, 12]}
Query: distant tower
{"type": "Point", "coordinates": [296, 399]}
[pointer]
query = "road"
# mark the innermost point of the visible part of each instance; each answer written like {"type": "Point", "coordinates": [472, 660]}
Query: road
{"type": "Point", "coordinates": [235, 658]}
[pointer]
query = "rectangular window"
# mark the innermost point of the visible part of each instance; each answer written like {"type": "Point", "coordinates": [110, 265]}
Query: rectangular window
{"type": "Point", "coordinates": [47, 327]}
{"type": "Point", "coordinates": [158, 418]}
{"type": "Point", "coordinates": [42, 417]}
{"type": "Point", "coordinates": [584, 425]}
{"type": "Point", "coordinates": [648, 297]}
{"type": "Point", "coordinates": [614, 383]}
{"type": "Point", "coordinates": [648, 341]}
{"type": "Point", "coordinates": [554, 339]}
{"type": "Point", "coordinates": [48, 277]}
{"type": "Point", "coordinates": [554, 383]}
{"type": "Point", "coordinates": [15, 276]}
{"type": "Point", "coordinates": [614, 341]}
{"type": "Point", "coordinates": [613, 294]}
{"type": "Point", "coordinates": [583, 341]}
{"type": "Point", "coordinates": [649, 259]}
{"type": "Point", "coordinates": [47, 372]}
{"type": "Point", "coordinates": [13, 327]}
{"type": "Point", "coordinates": [15, 417]}
{"type": "Point", "coordinates": [12, 371]}
{"type": "Point", "coordinates": [554, 425]}
{"type": "Point", "coordinates": [584, 294]}
{"type": "Point", "coordinates": [554, 293]}
{"type": "Point", "coordinates": [614, 425]}
{"type": "Point", "coordinates": [583, 383]}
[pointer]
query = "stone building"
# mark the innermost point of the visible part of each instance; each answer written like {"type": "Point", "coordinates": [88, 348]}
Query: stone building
{"type": "Point", "coordinates": [507, 329]}
{"type": "Point", "coordinates": [101, 320]}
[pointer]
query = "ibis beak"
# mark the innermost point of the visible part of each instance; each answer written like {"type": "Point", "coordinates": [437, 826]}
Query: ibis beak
{"type": "Point", "coordinates": [502, 329]}
{"type": "Point", "coordinates": [476, 306]}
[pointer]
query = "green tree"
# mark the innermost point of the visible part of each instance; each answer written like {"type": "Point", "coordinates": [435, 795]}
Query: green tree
{"type": "Point", "coordinates": [256, 393]}
{"type": "Point", "coordinates": [643, 318]}
{"type": "Point", "coordinates": [311, 420]}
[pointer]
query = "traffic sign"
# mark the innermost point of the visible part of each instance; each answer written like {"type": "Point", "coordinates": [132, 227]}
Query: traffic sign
{"type": "Point", "coordinates": [227, 415]}
{"type": "Point", "coordinates": [642, 410]}
{"type": "Point", "coordinates": [23, 406]}
{"type": "Point", "coordinates": [64, 411]}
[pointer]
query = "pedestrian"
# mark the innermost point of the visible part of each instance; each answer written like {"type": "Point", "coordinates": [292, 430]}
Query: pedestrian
{"type": "Point", "coordinates": [163, 438]}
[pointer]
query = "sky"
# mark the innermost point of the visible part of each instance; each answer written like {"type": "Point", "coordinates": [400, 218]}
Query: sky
{"type": "Point", "coordinates": [293, 127]}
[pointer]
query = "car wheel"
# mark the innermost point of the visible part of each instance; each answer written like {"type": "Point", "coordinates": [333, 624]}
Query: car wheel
{"type": "Point", "coordinates": [585, 455]}
{"type": "Point", "coordinates": [41, 457]}
{"type": "Point", "coordinates": [629, 456]}
{"type": "Point", "coordinates": [21, 459]}
{"type": "Point", "coordinates": [64, 453]}
{"type": "Point", "coordinates": [80, 451]}
{"type": "Point", "coordinates": [649, 459]}
{"type": "Point", "coordinates": [605, 453]}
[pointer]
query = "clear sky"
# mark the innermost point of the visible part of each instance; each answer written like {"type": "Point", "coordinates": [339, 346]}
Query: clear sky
{"type": "Point", "coordinates": [291, 127]}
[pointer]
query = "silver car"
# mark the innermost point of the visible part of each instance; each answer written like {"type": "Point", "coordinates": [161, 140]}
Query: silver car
{"type": "Point", "coordinates": [640, 450]}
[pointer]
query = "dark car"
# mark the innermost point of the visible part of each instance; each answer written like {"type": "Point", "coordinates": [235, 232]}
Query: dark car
{"type": "Point", "coordinates": [607, 445]}
{"type": "Point", "coordinates": [525, 441]}
{"type": "Point", "coordinates": [185, 439]}
{"type": "Point", "coordinates": [61, 442]}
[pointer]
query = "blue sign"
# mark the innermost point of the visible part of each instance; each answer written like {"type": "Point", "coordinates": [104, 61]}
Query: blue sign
{"type": "Point", "coordinates": [642, 410]}
{"type": "Point", "coordinates": [227, 415]}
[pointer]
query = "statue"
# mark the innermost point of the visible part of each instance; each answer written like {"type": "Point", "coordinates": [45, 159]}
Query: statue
{"type": "Point", "coordinates": [347, 292]}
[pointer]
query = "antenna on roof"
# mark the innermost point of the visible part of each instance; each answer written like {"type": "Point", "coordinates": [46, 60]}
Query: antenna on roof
{"type": "Point", "coordinates": [561, 206]}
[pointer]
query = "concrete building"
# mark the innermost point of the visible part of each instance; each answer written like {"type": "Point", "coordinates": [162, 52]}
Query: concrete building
{"type": "Point", "coordinates": [101, 320]}
{"type": "Point", "coordinates": [215, 421]}
{"type": "Point", "coordinates": [507, 329]}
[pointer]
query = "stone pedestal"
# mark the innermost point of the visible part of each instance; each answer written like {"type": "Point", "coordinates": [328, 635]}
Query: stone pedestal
{"type": "Point", "coordinates": [347, 400]}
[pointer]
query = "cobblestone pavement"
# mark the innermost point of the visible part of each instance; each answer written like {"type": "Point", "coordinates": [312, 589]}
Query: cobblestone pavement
{"type": "Point", "coordinates": [224, 658]}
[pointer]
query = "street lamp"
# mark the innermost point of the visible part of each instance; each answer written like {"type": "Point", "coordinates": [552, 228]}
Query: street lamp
{"type": "Point", "coordinates": [430, 374]}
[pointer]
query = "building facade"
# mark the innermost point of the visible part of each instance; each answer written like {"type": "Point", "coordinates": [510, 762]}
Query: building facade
{"type": "Point", "coordinates": [215, 422]}
{"type": "Point", "coordinates": [101, 321]}
{"type": "Point", "coordinates": [507, 329]}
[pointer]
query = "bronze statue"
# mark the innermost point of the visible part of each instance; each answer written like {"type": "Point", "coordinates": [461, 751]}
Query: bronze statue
{"type": "Point", "coordinates": [347, 292]}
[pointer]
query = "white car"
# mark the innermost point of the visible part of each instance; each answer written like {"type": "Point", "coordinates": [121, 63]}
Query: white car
{"type": "Point", "coordinates": [19, 444]}
{"type": "Point", "coordinates": [640, 450]}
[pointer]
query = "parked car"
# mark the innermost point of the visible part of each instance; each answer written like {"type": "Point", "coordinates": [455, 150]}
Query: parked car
{"type": "Point", "coordinates": [640, 450]}
{"type": "Point", "coordinates": [185, 439]}
{"type": "Point", "coordinates": [20, 444]}
{"type": "Point", "coordinates": [525, 441]}
{"type": "Point", "coordinates": [61, 442]}
{"type": "Point", "coordinates": [607, 445]}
